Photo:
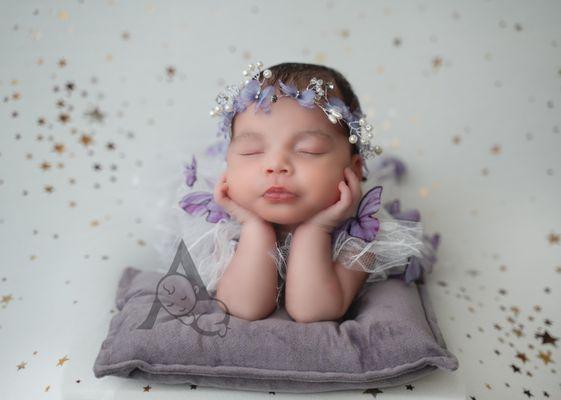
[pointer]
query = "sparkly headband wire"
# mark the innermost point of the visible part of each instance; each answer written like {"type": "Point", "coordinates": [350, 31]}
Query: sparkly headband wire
{"type": "Point", "coordinates": [236, 98]}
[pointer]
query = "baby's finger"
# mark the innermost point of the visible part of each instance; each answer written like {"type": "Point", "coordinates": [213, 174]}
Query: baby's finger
{"type": "Point", "coordinates": [353, 182]}
{"type": "Point", "coordinates": [345, 194]}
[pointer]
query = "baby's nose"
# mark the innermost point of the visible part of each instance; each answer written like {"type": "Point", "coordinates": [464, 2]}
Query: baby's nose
{"type": "Point", "coordinates": [277, 163]}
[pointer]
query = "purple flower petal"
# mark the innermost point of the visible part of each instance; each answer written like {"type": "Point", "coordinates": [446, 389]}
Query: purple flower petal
{"type": "Point", "coordinates": [265, 100]}
{"type": "Point", "coordinates": [190, 172]}
{"type": "Point", "coordinates": [338, 105]}
{"type": "Point", "coordinates": [247, 94]}
{"type": "Point", "coordinates": [307, 98]}
{"type": "Point", "coordinates": [289, 89]}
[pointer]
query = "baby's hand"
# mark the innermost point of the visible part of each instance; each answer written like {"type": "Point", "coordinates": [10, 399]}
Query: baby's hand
{"type": "Point", "coordinates": [241, 214]}
{"type": "Point", "coordinates": [331, 217]}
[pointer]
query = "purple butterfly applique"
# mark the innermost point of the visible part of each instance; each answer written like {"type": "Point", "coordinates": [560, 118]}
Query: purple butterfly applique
{"type": "Point", "coordinates": [336, 104]}
{"type": "Point", "coordinates": [190, 172]}
{"type": "Point", "coordinates": [305, 98]}
{"type": "Point", "coordinates": [364, 226]}
{"type": "Point", "coordinates": [252, 92]}
{"type": "Point", "coordinates": [199, 203]}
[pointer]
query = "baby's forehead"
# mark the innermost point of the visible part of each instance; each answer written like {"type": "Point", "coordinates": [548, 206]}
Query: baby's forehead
{"type": "Point", "coordinates": [308, 133]}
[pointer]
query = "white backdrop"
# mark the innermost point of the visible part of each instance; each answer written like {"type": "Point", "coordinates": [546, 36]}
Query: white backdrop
{"type": "Point", "coordinates": [98, 97]}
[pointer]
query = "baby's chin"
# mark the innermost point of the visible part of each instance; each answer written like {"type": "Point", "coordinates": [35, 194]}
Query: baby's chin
{"type": "Point", "coordinates": [283, 216]}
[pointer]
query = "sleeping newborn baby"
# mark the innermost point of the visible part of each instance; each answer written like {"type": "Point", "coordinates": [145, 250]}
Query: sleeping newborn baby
{"type": "Point", "coordinates": [290, 215]}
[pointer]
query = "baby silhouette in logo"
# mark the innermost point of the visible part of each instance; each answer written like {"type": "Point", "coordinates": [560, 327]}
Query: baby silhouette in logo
{"type": "Point", "coordinates": [185, 297]}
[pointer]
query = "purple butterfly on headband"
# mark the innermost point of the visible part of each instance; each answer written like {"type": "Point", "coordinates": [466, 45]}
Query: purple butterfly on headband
{"type": "Point", "coordinates": [190, 172]}
{"type": "Point", "coordinates": [249, 93]}
{"type": "Point", "coordinates": [364, 226]}
{"type": "Point", "coordinates": [199, 203]}
{"type": "Point", "coordinates": [338, 105]}
{"type": "Point", "coordinates": [305, 98]}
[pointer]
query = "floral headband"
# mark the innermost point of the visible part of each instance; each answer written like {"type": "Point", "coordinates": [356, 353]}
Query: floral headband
{"type": "Point", "coordinates": [236, 98]}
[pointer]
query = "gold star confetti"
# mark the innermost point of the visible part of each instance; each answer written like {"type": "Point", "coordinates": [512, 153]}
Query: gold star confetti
{"type": "Point", "coordinates": [59, 148]}
{"type": "Point", "coordinates": [95, 114]}
{"type": "Point", "coordinates": [423, 192]}
{"type": "Point", "coordinates": [437, 62]}
{"type": "Point", "coordinates": [64, 118]}
{"type": "Point", "coordinates": [63, 15]}
{"type": "Point", "coordinates": [496, 149]}
{"type": "Point", "coordinates": [49, 188]}
{"type": "Point", "coordinates": [170, 71]}
{"type": "Point", "coordinates": [522, 356]}
{"type": "Point", "coordinates": [320, 57]}
{"type": "Point", "coordinates": [545, 356]}
{"type": "Point", "coordinates": [553, 238]}
{"type": "Point", "coordinates": [62, 63]}
{"type": "Point", "coordinates": [45, 166]}
{"type": "Point", "coordinates": [125, 35]}
{"type": "Point", "coordinates": [21, 365]}
{"type": "Point", "coordinates": [456, 139]}
{"type": "Point", "coordinates": [94, 223]}
{"type": "Point", "coordinates": [86, 140]}
{"type": "Point", "coordinates": [6, 299]}
{"type": "Point", "coordinates": [147, 388]}
{"type": "Point", "coordinates": [344, 33]}
{"type": "Point", "coordinates": [62, 360]}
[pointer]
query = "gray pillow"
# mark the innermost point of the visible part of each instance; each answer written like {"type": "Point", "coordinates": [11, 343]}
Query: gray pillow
{"type": "Point", "coordinates": [170, 330]}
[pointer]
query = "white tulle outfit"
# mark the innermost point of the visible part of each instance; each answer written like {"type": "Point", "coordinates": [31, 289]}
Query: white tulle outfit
{"type": "Point", "coordinates": [212, 245]}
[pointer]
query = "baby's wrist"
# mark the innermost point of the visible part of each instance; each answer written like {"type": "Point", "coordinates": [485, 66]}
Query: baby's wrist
{"type": "Point", "coordinates": [260, 225]}
{"type": "Point", "coordinates": [315, 228]}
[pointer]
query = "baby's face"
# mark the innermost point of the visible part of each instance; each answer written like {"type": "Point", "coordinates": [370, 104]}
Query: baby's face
{"type": "Point", "coordinates": [277, 148]}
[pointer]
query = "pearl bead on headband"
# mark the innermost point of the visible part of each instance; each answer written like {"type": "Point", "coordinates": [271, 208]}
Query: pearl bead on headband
{"type": "Point", "coordinates": [236, 98]}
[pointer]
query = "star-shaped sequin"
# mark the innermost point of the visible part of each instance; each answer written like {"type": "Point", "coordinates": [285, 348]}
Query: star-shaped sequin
{"type": "Point", "coordinates": [374, 392]}
{"type": "Point", "coordinates": [62, 360]}
{"type": "Point", "coordinates": [522, 356]}
{"type": "Point", "coordinates": [553, 238]}
{"type": "Point", "coordinates": [545, 357]}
